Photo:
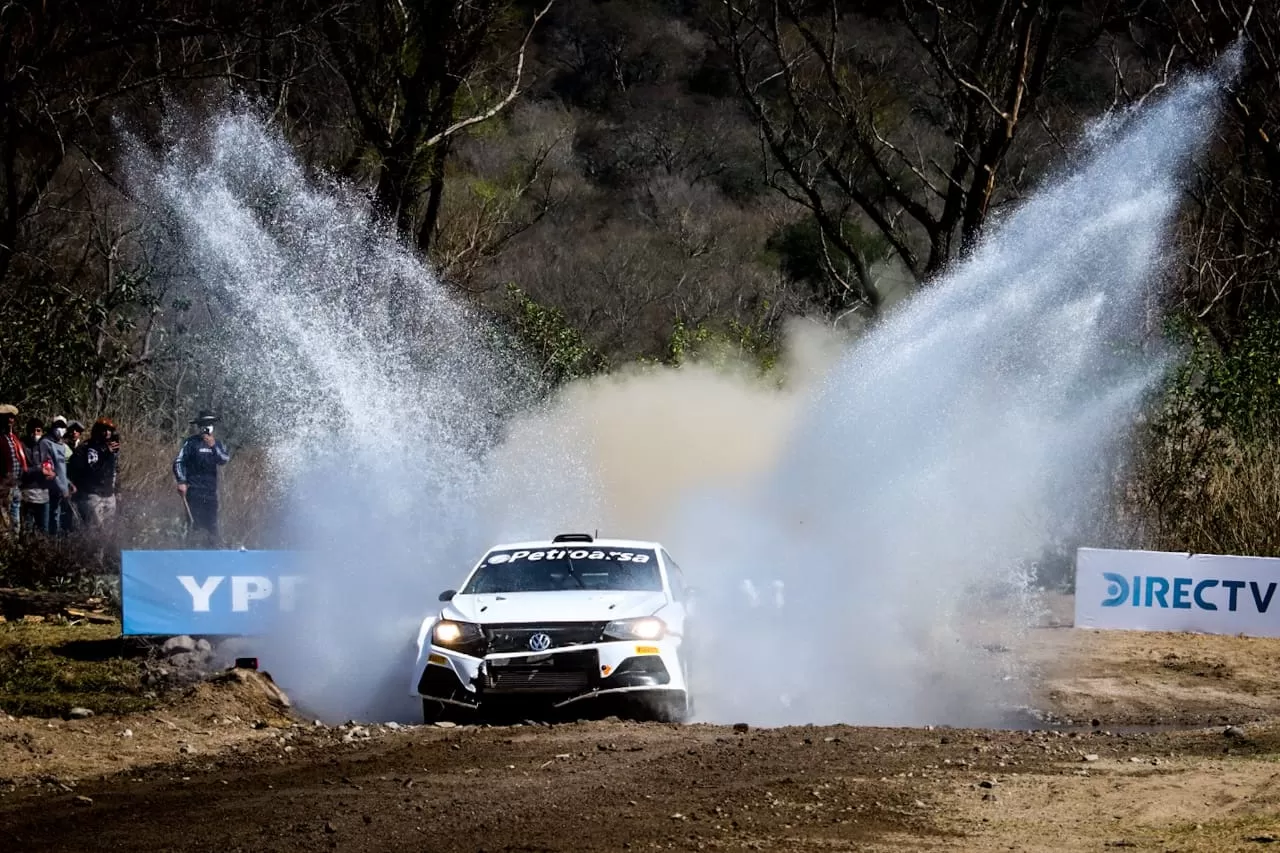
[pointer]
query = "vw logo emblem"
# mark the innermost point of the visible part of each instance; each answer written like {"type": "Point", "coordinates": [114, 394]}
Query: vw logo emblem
{"type": "Point", "coordinates": [540, 642]}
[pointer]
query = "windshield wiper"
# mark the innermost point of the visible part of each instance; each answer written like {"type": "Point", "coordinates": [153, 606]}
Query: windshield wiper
{"type": "Point", "coordinates": [573, 573]}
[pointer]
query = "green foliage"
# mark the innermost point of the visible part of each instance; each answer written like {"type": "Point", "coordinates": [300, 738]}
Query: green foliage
{"type": "Point", "coordinates": [60, 345]}
{"type": "Point", "coordinates": [1206, 477]}
{"type": "Point", "coordinates": [743, 342]}
{"type": "Point", "coordinates": [562, 352]}
{"type": "Point", "coordinates": [1239, 387]}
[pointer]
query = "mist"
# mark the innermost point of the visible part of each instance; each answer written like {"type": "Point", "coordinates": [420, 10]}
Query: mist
{"type": "Point", "coordinates": [862, 525]}
{"type": "Point", "coordinates": [865, 527]}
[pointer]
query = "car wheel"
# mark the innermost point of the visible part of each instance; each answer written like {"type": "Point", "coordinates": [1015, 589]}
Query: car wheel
{"type": "Point", "coordinates": [671, 709]}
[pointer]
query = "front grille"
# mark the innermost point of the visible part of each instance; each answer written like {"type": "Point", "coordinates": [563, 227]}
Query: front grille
{"type": "Point", "coordinates": [536, 681]}
{"type": "Point", "coordinates": [568, 672]}
{"type": "Point", "coordinates": [515, 637]}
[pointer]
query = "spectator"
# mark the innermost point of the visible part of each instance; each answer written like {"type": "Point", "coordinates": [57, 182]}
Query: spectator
{"type": "Point", "coordinates": [71, 519]}
{"type": "Point", "coordinates": [60, 490]}
{"type": "Point", "coordinates": [95, 474]}
{"type": "Point", "coordinates": [74, 431]}
{"type": "Point", "coordinates": [40, 475]}
{"type": "Point", "coordinates": [196, 470]}
{"type": "Point", "coordinates": [13, 465]}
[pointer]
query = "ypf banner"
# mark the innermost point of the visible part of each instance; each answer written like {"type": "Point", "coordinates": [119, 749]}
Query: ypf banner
{"type": "Point", "coordinates": [206, 592]}
{"type": "Point", "coordinates": [1165, 591]}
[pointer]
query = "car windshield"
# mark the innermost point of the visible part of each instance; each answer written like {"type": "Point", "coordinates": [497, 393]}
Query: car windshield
{"type": "Point", "coordinates": [551, 569]}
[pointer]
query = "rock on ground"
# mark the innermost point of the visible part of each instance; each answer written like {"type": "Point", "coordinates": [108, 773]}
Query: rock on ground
{"type": "Point", "coordinates": [176, 645]}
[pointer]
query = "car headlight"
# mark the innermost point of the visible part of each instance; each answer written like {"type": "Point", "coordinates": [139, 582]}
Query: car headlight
{"type": "Point", "coordinates": [644, 628]}
{"type": "Point", "coordinates": [449, 633]}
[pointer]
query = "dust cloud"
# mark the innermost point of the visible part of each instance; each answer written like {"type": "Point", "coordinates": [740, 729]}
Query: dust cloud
{"type": "Point", "coordinates": [679, 454]}
{"type": "Point", "coordinates": [642, 438]}
{"type": "Point", "coordinates": [866, 537]}
{"type": "Point", "coordinates": [862, 524]}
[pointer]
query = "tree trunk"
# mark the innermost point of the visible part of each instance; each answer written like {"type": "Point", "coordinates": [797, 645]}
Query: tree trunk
{"type": "Point", "coordinates": [435, 196]}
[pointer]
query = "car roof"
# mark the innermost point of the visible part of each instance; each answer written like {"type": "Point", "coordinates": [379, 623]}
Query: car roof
{"type": "Point", "coordinates": [593, 545]}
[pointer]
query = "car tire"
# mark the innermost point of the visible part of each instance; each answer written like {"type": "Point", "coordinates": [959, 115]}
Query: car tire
{"type": "Point", "coordinates": [671, 709]}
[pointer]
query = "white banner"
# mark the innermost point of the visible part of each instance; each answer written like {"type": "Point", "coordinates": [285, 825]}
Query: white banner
{"type": "Point", "coordinates": [1164, 591]}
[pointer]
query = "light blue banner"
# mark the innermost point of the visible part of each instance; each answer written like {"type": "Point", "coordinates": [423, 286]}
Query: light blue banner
{"type": "Point", "coordinates": [206, 592]}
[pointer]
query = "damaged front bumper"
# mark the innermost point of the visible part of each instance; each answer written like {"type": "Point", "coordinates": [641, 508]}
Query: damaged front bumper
{"type": "Point", "coordinates": [556, 678]}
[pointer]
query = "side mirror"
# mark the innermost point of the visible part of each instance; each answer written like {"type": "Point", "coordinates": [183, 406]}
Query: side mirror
{"type": "Point", "coordinates": [448, 595]}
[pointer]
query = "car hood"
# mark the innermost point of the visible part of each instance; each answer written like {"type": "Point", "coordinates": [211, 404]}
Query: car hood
{"type": "Point", "coordinates": [563, 606]}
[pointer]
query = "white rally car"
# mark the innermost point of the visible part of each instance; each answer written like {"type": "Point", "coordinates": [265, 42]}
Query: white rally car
{"type": "Point", "coordinates": [558, 622]}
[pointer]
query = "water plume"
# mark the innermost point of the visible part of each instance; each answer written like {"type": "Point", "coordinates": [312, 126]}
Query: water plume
{"type": "Point", "coordinates": [862, 538]}
{"type": "Point", "coordinates": [967, 437]}
{"type": "Point", "coordinates": [377, 392]}
{"type": "Point", "coordinates": [867, 544]}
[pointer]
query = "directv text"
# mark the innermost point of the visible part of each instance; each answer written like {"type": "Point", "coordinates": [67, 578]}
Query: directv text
{"type": "Point", "coordinates": [1182, 593]}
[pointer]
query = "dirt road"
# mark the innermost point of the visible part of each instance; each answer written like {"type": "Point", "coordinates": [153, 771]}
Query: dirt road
{"type": "Point", "coordinates": [230, 770]}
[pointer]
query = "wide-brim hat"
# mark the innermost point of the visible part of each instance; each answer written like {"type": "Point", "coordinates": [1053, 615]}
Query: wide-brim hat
{"type": "Point", "coordinates": [205, 417]}
{"type": "Point", "coordinates": [8, 409]}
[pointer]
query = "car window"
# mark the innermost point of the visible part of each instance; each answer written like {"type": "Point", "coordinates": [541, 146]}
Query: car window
{"type": "Point", "coordinates": [675, 577]}
{"type": "Point", "coordinates": [553, 569]}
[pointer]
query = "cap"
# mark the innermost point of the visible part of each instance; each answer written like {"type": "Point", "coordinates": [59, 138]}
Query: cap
{"type": "Point", "coordinates": [205, 417]}
{"type": "Point", "coordinates": [75, 426]}
{"type": "Point", "coordinates": [58, 419]}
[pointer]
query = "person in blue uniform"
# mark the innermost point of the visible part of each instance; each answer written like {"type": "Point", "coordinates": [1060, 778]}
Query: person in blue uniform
{"type": "Point", "coordinates": [196, 470]}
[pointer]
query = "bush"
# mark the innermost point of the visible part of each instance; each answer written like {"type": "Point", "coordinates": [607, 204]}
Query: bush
{"type": "Point", "coordinates": [82, 563]}
{"type": "Point", "coordinates": [1206, 472]}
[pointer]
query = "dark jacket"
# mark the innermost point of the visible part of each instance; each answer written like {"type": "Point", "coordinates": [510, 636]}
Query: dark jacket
{"type": "Point", "coordinates": [93, 469]}
{"type": "Point", "coordinates": [39, 453]}
{"type": "Point", "coordinates": [197, 464]}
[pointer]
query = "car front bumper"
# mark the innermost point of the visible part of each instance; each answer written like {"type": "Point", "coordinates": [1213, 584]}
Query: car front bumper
{"type": "Point", "coordinates": [556, 677]}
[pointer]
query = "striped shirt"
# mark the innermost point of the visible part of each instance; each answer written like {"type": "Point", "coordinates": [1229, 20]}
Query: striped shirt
{"type": "Point", "coordinates": [17, 457]}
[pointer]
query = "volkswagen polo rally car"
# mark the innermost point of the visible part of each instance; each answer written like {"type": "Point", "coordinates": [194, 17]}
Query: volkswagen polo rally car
{"type": "Point", "coordinates": [559, 622]}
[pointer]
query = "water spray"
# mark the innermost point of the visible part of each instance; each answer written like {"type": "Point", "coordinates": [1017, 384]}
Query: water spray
{"type": "Point", "coordinates": [888, 515]}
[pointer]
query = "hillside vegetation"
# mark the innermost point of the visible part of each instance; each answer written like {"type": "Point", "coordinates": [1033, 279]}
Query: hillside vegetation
{"type": "Point", "coordinates": [617, 180]}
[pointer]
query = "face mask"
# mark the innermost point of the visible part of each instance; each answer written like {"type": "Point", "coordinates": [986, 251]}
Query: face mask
{"type": "Point", "coordinates": [59, 432]}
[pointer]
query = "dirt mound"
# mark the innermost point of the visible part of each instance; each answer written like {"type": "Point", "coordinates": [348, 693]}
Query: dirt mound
{"type": "Point", "coordinates": [242, 693]}
{"type": "Point", "coordinates": [226, 711]}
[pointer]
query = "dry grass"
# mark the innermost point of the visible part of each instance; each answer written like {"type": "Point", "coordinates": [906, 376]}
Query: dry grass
{"type": "Point", "coordinates": [1240, 503]}
{"type": "Point", "coordinates": [1211, 495]}
{"type": "Point", "coordinates": [151, 510]}
{"type": "Point", "coordinates": [45, 670]}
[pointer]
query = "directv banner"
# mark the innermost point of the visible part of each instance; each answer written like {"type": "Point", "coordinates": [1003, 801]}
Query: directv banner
{"type": "Point", "coordinates": [1164, 591]}
{"type": "Point", "coordinates": [205, 592]}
